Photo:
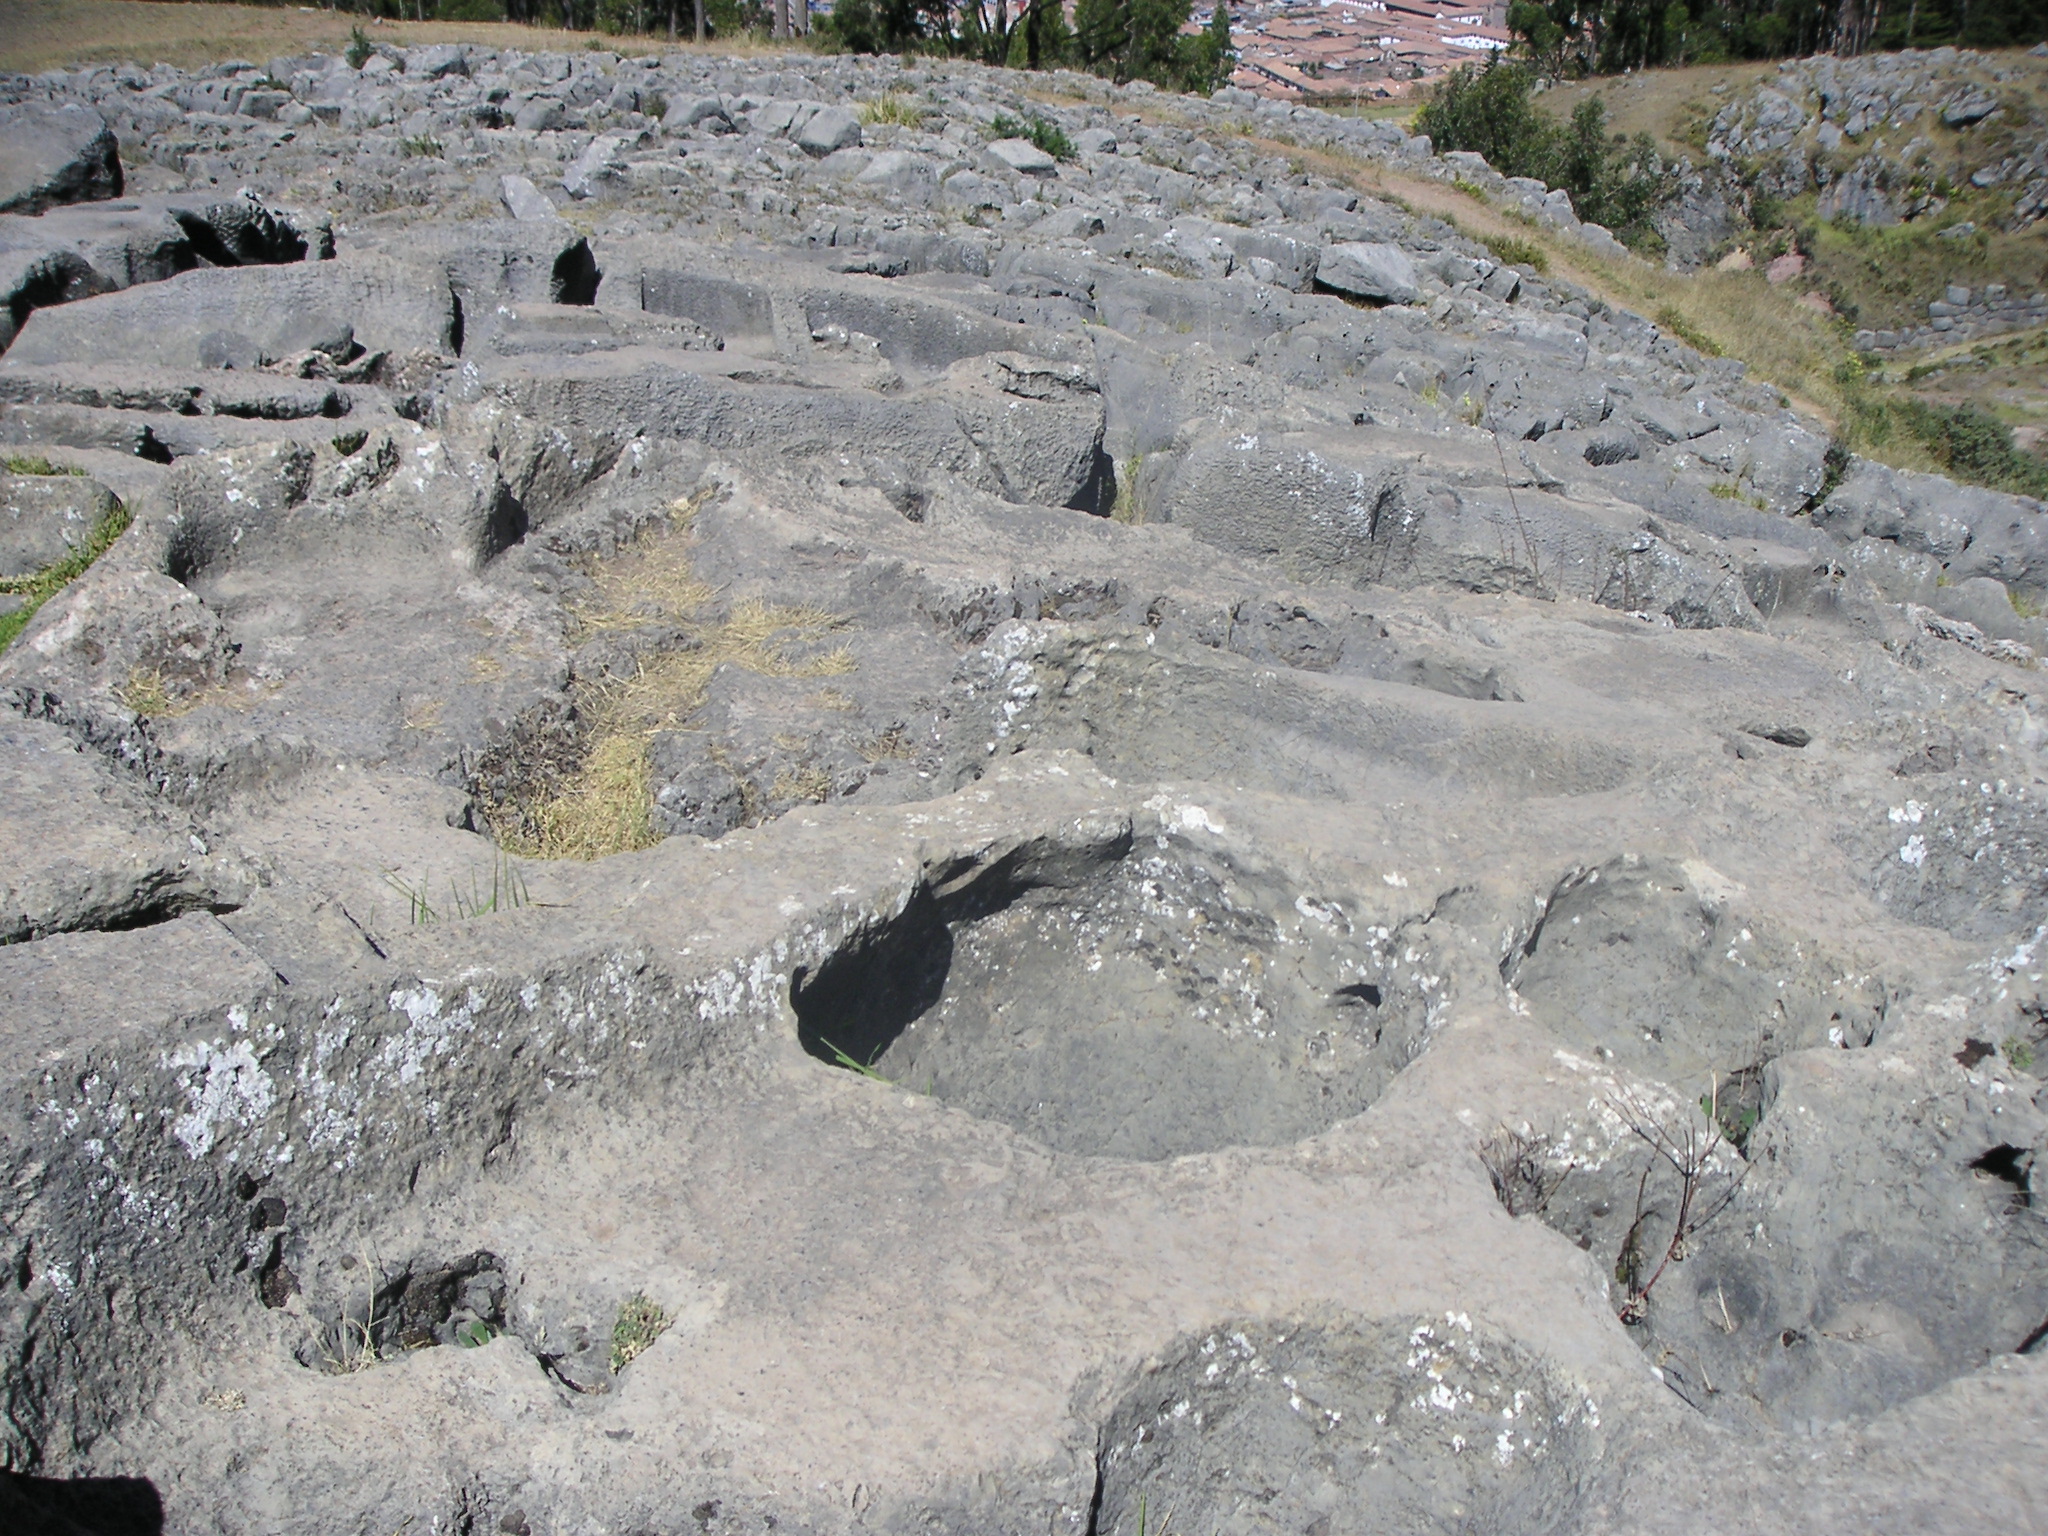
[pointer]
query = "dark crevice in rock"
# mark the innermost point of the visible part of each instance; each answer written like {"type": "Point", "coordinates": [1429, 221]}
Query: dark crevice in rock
{"type": "Point", "coordinates": [80, 1506]}
{"type": "Point", "coordinates": [576, 276]}
{"type": "Point", "coordinates": [420, 1305]}
{"type": "Point", "coordinates": [2014, 1166]}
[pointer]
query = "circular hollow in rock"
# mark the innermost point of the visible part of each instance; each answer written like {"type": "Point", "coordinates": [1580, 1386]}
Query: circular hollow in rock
{"type": "Point", "coordinates": [1348, 1429]}
{"type": "Point", "coordinates": [1643, 962]}
{"type": "Point", "coordinates": [1160, 1006]}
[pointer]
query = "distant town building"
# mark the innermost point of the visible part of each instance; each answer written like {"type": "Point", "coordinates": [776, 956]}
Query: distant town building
{"type": "Point", "coordinates": [1360, 49]}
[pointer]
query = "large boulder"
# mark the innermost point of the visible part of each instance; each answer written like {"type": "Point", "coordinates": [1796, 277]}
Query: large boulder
{"type": "Point", "coordinates": [525, 201]}
{"type": "Point", "coordinates": [686, 112]}
{"type": "Point", "coordinates": [545, 261]}
{"type": "Point", "coordinates": [76, 252]}
{"type": "Point", "coordinates": [51, 155]}
{"type": "Point", "coordinates": [829, 129]}
{"type": "Point", "coordinates": [93, 642]}
{"type": "Point", "coordinates": [44, 518]}
{"type": "Point", "coordinates": [1020, 156]}
{"type": "Point", "coordinates": [247, 317]}
{"type": "Point", "coordinates": [1038, 425]}
{"type": "Point", "coordinates": [35, 277]}
{"type": "Point", "coordinates": [1287, 258]}
{"type": "Point", "coordinates": [1970, 530]}
{"type": "Point", "coordinates": [435, 60]}
{"type": "Point", "coordinates": [1369, 269]}
{"type": "Point", "coordinates": [601, 166]}
{"type": "Point", "coordinates": [82, 849]}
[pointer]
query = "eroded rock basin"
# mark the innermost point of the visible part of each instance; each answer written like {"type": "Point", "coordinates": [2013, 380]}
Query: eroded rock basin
{"type": "Point", "coordinates": [1162, 1005]}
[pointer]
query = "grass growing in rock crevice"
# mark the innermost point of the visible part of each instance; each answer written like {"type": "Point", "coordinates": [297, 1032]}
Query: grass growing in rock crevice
{"type": "Point", "coordinates": [1047, 135]}
{"type": "Point", "coordinates": [639, 1323]}
{"type": "Point", "coordinates": [604, 804]}
{"type": "Point", "coordinates": [41, 586]}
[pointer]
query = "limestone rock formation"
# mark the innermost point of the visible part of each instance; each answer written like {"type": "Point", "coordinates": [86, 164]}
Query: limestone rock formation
{"type": "Point", "coordinates": [781, 815]}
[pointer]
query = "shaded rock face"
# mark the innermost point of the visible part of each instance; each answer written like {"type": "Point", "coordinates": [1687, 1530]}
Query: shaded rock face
{"type": "Point", "coordinates": [52, 154]}
{"type": "Point", "coordinates": [778, 818]}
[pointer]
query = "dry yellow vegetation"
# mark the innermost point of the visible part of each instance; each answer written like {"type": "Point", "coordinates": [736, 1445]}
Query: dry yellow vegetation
{"type": "Point", "coordinates": [49, 34]}
{"type": "Point", "coordinates": [606, 805]}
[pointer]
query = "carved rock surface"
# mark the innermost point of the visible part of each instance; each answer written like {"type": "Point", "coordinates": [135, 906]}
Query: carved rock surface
{"type": "Point", "coordinates": [884, 835]}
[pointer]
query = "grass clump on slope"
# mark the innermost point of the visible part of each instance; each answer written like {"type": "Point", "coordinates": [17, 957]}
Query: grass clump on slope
{"type": "Point", "coordinates": [605, 804]}
{"type": "Point", "coordinates": [40, 586]}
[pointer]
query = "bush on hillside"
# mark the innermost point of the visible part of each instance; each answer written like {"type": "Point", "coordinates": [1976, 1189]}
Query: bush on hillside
{"type": "Point", "coordinates": [1614, 181]}
{"type": "Point", "coordinates": [1971, 444]}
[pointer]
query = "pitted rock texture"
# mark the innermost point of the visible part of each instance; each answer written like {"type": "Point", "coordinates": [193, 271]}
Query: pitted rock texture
{"type": "Point", "coordinates": [776, 816]}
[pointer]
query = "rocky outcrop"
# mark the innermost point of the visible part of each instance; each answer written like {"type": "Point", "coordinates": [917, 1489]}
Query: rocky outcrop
{"type": "Point", "coordinates": [777, 816]}
{"type": "Point", "coordinates": [52, 154]}
{"type": "Point", "coordinates": [1857, 130]}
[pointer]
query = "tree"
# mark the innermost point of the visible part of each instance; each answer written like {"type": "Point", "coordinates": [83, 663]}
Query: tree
{"type": "Point", "coordinates": [1489, 112]}
{"type": "Point", "coordinates": [1048, 41]}
{"type": "Point", "coordinates": [885, 26]}
{"type": "Point", "coordinates": [1214, 58]}
{"type": "Point", "coordinates": [1613, 182]}
{"type": "Point", "coordinates": [1541, 33]}
{"type": "Point", "coordinates": [1133, 39]}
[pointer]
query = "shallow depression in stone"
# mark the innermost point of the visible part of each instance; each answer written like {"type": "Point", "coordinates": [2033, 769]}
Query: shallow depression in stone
{"type": "Point", "coordinates": [1164, 1006]}
{"type": "Point", "coordinates": [1348, 1428]}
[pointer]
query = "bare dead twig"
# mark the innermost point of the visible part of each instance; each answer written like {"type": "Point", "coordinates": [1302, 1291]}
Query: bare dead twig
{"type": "Point", "coordinates": [1520, 1165]}
{"type": "Point", "coordinates": [1689, 1152]}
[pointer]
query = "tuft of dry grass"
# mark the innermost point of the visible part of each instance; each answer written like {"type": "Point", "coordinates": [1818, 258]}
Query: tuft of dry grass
{"type": "Point", "coordinates": [155, 696]}
{"type": "Point", "coordinates": [148, 694]}
{"type": "Point", "coordinates": [810, 784]}
{"type": "Point", "coordinates": [894, 109]}
{"type": "Point", "coordinates": [605, 806]}
{"type": "Point", "coordinates": [891, 746]}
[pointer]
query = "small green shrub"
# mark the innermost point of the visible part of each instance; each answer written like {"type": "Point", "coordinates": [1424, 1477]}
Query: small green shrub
{"type": "Point", "coordinates": [1048, 136]}
{"type": "Point", "coordinates": [35, 464]}
{"type": "Point", "coordinates": [1676, 323]}
{"type": "Point", "coordinates": [1972, 444]}
{"type": "Point", "coordinates": [1514, 251]}
{"type": "Point", "coordinates": [359, 48]}
{"type": "Point", "coordinates": [2019, 1053]}
{"type": "Point", "coordinates": [1618, 182]}
{"type": "Point", "coordinates": [420, 147]}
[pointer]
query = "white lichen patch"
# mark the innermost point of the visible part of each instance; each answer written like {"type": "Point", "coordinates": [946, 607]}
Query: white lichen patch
{"type": "Point", "coordinates": [226, 1088]}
